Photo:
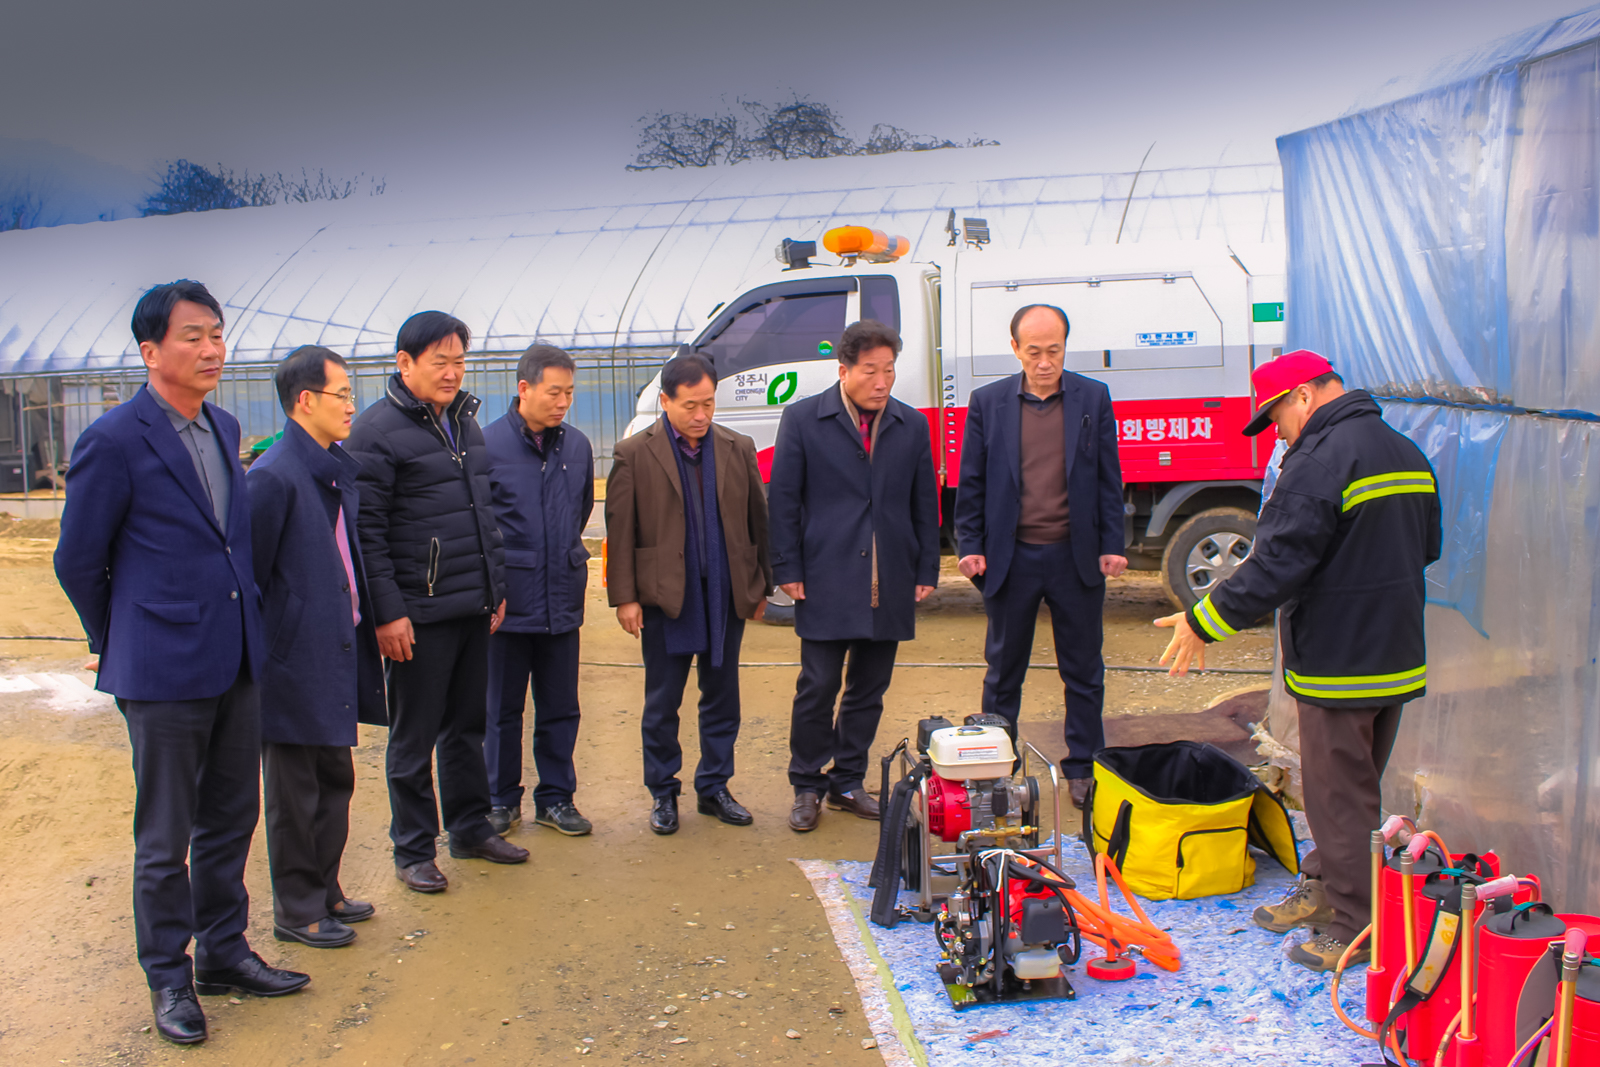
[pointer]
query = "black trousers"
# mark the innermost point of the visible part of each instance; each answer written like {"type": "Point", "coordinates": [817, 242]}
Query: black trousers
{"type": "Point", "coordinates": [665, 675]}
{"type": "Point", "coordinates": [308, 790]}
{"type": "Point", "coordinates": [816, 734]}
{"type": "Point", "coordinates": [1342, 756]}
{"type": "Point", "coordinates": [1048, 574]}
{"type": "Point", "coordinates": [436, 703]}
{"type": "Point", "coordinates": [551, 662]}
{"type": "Point", "coordinates": [196, 764]}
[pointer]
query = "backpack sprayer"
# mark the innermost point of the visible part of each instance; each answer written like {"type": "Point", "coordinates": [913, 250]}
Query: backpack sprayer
{"type": "Point", "coordinates": [1469, 967]}
{"type": "Point", "coordinates": [1006, 918]}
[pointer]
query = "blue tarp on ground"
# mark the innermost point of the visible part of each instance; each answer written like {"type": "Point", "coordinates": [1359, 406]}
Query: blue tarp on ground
{"type": "Point", "coordinates": [1444, 248]}
{"type": "Point", "coordinates": [1237, 999]}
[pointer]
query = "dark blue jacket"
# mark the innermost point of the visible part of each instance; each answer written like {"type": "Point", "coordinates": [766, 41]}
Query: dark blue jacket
{"type": "Point", "coordinates": [989, 499]}
{"type": "Point", "coordinates": [542, 504]}
{"type": "Point", "coordinates": [168, 601]}
{"type": "Point", "coordinates": [827, 501]}
{"type": "Point", "coordinates": [323, 672]}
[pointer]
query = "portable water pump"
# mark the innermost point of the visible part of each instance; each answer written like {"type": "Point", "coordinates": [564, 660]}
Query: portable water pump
{"type": "Point", "coordinates": [1003, 923]}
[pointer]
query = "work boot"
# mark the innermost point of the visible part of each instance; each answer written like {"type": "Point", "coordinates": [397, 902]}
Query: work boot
{"type": "Point", "coordinates": [1306, 905]}
{"type": "Point", "coordinates": [1323, 952]}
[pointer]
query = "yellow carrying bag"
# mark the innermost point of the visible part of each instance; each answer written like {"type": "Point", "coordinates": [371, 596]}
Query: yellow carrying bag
{"type": "Point", "coordinates": [1178, 819]}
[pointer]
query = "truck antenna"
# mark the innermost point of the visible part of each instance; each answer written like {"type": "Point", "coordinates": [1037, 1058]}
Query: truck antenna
{"type": "Point", "coordinates": [1131, 186]}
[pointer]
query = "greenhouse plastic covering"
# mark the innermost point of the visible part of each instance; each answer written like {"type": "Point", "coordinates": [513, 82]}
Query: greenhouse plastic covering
{"type": "Point", "coordinates": [633, 273]}
{"type": "Point", "coordinates": [1444, 251]}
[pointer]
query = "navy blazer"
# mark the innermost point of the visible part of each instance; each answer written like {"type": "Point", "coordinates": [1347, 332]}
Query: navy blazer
{"type": "Point", "coordinates": [542, 503]}
{"type": "Point", "coordinates": [826, 502]}
{"type": "Point", "coordinates": [169, 602]}
{"type": "Point", "coordinates": [323, 673]}
{"type": "Point", "coordinates": [989, 498]}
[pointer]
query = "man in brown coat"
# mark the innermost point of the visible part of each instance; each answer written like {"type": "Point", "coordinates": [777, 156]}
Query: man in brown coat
{"type": "Point", "coordinates": [686, 529]}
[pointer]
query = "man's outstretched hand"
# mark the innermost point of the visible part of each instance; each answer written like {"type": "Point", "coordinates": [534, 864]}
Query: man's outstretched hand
{"type": "Point", "coordinates": [1184, 647]}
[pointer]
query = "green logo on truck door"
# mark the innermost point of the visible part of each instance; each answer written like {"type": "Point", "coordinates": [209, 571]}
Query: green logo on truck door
{"type": "Point", "coordinates": [782, 387]}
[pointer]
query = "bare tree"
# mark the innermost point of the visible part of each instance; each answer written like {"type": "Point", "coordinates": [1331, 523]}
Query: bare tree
{"type": "Point", "coordinates": [799, 129]}
{"type": "Point", "coordinates": [188, 186]}
{"type": "Point", "coordinates": [678, 139]}
{"type": "Point", "coordinates": [21, 207]}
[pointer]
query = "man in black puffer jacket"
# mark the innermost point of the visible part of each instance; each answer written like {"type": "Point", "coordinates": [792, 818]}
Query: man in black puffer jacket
{"type": "Point", "coordinates": [436, 572]}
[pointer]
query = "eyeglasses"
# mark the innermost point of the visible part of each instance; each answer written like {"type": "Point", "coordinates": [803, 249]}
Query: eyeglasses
{"type": "Point", "coordinates": [344, 396]}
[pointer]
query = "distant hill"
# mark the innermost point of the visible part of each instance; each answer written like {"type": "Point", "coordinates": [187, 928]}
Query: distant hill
{"type": "Point", "coordinates": [54, 186]}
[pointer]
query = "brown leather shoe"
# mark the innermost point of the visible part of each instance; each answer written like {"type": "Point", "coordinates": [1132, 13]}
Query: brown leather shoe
{"type": "Point", "coordinates": [493, 848]}
{"type": "Point", "coordinates": [856, 802]}
{"type": "Point", "coordinates": [1078, 788]}
{"type": "Point", "coordinates": [424, 877]}
{"type": "Point", "coordinates": [805, 813]}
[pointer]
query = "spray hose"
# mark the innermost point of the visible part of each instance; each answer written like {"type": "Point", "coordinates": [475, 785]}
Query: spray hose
{"type": "Point", "coordinates": [1117, 933]}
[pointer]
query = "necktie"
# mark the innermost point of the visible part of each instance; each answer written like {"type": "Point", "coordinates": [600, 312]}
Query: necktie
{"type": "Point", "coordinates": [342, 535]}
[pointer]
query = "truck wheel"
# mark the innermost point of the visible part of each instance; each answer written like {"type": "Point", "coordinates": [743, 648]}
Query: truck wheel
{"type": "Point", "coordinates": [1204, 551]}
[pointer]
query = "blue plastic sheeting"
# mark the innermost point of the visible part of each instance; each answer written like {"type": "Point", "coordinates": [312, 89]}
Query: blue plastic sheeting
{"type": "Point", "coordinates": [1237, 998]}
{"type": "Point", "coordinates": [1464, 446]}
{"type": "Point", "coordinates": [1445, 247]}
{"type": "Point", "coordinates": [1444, 244]}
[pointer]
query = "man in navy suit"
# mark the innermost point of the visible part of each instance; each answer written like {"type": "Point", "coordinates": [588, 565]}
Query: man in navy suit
{"type": "Point", "coordinates": [1039, 518]}
{"type": "Point", "coordinates": [323, 673]}
{"type": "Point", "coordinates": [155, 557]}
{"type": "Point", "coordinates": [855, 542]}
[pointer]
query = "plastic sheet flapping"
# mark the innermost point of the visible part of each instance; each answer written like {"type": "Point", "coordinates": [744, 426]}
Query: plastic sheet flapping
{"type": "Point", "coordinates": [1445, 247]}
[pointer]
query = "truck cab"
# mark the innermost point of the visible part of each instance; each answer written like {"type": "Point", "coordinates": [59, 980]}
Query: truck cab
{"type": "Point", "coordinates": [1173, 329]}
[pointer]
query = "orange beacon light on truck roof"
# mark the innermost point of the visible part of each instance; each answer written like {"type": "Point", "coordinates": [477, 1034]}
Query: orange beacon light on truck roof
{"type": "Point", "coordinates": [873, 245]}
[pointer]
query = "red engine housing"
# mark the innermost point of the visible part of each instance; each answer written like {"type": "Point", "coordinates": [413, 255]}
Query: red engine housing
{"type": "Point", "coordinates": [949, 808]}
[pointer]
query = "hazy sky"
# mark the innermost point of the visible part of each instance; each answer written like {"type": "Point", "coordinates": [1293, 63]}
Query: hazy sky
{"type": "Point", "coordinates": [431, 94]}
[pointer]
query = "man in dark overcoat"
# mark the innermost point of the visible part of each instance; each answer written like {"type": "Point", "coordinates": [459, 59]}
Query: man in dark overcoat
{"type": "Point", "coordinates": [323, 673]}
{"type": "Point", "coordinates": [855, 541]}
{"type": "Point", "coordinates": [541, 474]}
{"type": "Point", "coordinates": [155, 557]}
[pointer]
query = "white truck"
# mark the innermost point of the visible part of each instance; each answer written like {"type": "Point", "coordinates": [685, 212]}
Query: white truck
{"type": "Point", "coordinates": [1173, 329]}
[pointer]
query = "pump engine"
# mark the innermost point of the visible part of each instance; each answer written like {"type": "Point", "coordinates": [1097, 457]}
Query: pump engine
{"type": "Point", "coordinates": [1003, 923]}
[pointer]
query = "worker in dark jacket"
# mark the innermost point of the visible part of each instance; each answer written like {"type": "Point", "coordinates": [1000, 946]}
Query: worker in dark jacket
{"type": "Point", "coordinates": [855, 541]}
{"type": "Point", "coordinates": [1352, 522]}
{"type": "Point", "coordinates": [323, 673]}
{"type": "Point", "coordinates": [436, 571]}
{"type": "Point", "coordinates": [541, 473]}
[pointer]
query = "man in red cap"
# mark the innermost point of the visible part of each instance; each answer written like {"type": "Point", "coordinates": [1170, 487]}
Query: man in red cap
{"type": "Point", "coordinates": [1341, 545]}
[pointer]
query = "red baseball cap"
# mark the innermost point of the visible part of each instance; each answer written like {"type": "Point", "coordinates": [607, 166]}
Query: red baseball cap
{"type": "Point", "coordinates": [1274, 380]}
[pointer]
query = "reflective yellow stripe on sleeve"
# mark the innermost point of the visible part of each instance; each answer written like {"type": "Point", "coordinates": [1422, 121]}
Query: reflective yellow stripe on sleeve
{"type": "Point", "coordinates": [1379, 485]}
{"type": "Point", "coordinates": [1357, 686]}
{"type": "Point", "coordinates": [1212, 621]}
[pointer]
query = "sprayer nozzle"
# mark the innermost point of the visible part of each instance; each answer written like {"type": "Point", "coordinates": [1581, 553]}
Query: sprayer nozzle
{"type": "Point", "coordinates": [1397, 829]}
{"type": "Point", "coordinates": [1416, 847]}
{"type": "Point", "coordinates": [1499, 887]}
{"type": "Point", "coordinates": [1577, 942]}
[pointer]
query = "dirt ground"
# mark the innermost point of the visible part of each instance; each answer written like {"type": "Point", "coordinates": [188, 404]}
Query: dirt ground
{"type": "Point", "coordinates": [581, 955]}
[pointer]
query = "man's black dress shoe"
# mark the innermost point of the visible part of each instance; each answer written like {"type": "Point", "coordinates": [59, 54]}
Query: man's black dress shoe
{"type": "Point", "coordinates": [250, 975]}
{"type": "Point", "coordinates": [422, 877]}
{"type": "Point", "coordinates": [1078, 790]}
{"type": "Point", "coordinates": [493, 848]}
{"type": "Point", "coordinates": [664, 815]}
{"type": "Point", "coordinates": [352, 911]}
{"type": "Point", "coordinates": [723, 806]}
{"type": "Point", "coordinates": [324, 933]}
{"type": "Point", "coordinates": [178, 1015]}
